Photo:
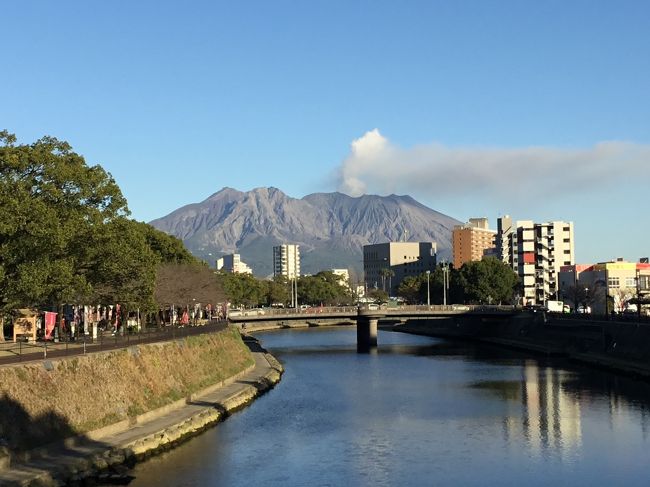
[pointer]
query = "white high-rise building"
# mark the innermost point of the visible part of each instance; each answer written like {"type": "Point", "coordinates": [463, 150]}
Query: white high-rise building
{"type": "Point", "coordinates": [536, 252]}
{"type": "Point", "coordinates": [286, 260]}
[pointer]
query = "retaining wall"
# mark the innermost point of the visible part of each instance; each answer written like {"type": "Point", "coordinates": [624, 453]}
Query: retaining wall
{"type": "Point", "coordinates": [621, 346]}
{"type": "Point", "coordinates": [46, 401]}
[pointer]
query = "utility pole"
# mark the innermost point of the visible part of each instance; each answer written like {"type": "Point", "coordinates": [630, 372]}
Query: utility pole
{"type": "Point", "coordinates": [638, 294]}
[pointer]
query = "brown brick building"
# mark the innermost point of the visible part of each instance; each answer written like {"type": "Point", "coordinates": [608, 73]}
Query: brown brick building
{"type": "Point", "coordinates": [471, 240]}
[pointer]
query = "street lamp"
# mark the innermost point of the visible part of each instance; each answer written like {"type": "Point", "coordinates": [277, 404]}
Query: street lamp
{"type": "Point", "coordinates": [428, 293]}
{"type": "Point", "coordinates": [445, 282]}
{"type": "Point", "coordinates": [295, 289]}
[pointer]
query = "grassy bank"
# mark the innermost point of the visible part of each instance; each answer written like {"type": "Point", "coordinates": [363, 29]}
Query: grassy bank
{"type": "Point", "coordinates": [47, 401]}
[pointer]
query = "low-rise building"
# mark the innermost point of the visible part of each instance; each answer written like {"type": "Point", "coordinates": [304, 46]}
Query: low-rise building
{"type": "Point", "coordinates": [233, 263]}
{"type": "Point", "coordinates": [606, 286]}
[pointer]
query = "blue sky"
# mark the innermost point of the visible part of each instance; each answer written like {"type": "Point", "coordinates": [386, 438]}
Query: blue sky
{"type": "Point", "coordinates": [535, 109]}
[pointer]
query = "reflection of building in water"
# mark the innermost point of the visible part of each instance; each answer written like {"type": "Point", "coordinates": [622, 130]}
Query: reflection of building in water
{"type": "Point", "coordinates": [550, 418]}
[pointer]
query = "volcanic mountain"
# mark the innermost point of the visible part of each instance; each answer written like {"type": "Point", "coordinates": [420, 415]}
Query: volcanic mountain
{"type": "Point", "coordinates": [331, 228]}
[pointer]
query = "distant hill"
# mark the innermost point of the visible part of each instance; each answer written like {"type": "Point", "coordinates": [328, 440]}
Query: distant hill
{"type": "Point", "coordinates": [331, 228]}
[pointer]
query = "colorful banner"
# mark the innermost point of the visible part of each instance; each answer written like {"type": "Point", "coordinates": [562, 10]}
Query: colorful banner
{"type": "Point", "coordinates": [50, 322]}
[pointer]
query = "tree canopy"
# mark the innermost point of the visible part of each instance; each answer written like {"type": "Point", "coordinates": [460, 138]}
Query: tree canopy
{"type": "Point", "coordinates": [243, 289]}
{"type": "Point", "coordinates": [486, 281]}
{"type": "Point", "coordinates": [65, 235]}
{"type": "Point", "coordinates": [323, 288]}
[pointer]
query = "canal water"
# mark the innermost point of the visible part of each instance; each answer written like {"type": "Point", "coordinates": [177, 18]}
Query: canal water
{"type": "Point", "coordinates": [420, 411]}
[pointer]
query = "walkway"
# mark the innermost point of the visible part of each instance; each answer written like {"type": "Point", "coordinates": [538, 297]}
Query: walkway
{"type": "Point", "coordinates": [12, 353]}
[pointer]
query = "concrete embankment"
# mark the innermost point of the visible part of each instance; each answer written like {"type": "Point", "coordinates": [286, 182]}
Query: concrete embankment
{"type": "Point", "coordinates": [101, 453]}
{"type": "Point", "coordinates": [617, 346]}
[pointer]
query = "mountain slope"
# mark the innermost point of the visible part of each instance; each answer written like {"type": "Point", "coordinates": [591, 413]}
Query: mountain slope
{"type": "Point", "coordinates": [331, 228]}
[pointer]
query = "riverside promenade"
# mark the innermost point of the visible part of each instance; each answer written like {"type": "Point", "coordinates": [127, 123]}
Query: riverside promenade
{"type": "Point", "coordinates": [102, 454]}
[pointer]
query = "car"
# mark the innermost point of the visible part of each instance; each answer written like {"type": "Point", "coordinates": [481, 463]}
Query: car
{"type": "Point", "coordinates": [460, 307]}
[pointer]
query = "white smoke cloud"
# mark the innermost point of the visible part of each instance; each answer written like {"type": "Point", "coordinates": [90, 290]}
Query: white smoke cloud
{"type": "Point", "coordinates": [375, 165]}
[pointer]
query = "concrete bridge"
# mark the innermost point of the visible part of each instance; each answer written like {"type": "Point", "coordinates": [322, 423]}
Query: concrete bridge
{"type": "Point", "coordinates": [367, 317]}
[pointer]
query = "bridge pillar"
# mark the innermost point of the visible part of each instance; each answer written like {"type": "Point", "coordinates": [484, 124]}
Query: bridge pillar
{"type": "Point", "coordinates": [367, 329]}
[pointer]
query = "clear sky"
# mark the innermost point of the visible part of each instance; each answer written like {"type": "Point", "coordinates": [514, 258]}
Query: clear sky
{"type": "Point", "coordinates": [537, 109]}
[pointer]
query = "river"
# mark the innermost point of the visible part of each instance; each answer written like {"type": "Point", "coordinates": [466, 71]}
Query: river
{"type": "Point", "coordinates": [419, 411]}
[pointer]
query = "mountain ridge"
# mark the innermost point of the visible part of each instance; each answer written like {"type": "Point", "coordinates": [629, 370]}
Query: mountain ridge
{"type": "Point", "coordinates": [331, 228]}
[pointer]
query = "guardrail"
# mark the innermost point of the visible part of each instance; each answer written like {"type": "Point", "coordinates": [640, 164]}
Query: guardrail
{"type": "Point", "coordinates": [23, 351]}
{"type": "Point", "coordinates": [616, 318]}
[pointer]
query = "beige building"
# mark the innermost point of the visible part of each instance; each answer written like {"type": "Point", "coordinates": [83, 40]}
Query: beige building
{"type": "Point", "coordinates": [385, 265]}
{"type": "Point", "coordinates": [606, 286]}
{"type": "Point", "coordinates": [536, 252]}
{"type": "Point", "coordinates": [471, 240]}
{"type": "Point", "coordinates": [233, 263]}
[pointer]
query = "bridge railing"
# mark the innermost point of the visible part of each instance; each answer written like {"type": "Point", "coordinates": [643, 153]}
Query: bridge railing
{"type": "Point", "coordinates": [352, 310]}
{"type": "Point", "coordinates": [235, 313]}
{"type": "Point", "coordinates": [452, 308]}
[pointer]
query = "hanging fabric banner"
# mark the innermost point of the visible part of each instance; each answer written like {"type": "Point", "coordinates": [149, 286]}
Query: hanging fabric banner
{"type": "Point", "coordinates": [50, 322]}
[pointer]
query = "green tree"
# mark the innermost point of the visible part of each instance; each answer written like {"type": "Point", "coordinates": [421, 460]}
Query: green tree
{"type": "Point", "coordinates": [411, 289]}
{"type": "Point", "coordinates": [242, 289]}
{"type": "Point", "coordinates": [65, 236]}
{"type": "Point", "coordinates": [378, 296]}
{"type": "Point", "coordinates": [278, 291]}
{"type": "Point", "coordinates": [168, 248]}
{"type": "Point", "coordinates": [53, 207]}
{"type": "Point", "coordinates": [486, 281]}
{"type": "Point", "coordinates": [120, 266]}
{"type": "Point", "coordinates": [323, 288]}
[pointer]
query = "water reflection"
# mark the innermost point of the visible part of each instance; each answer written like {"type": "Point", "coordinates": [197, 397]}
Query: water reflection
{"type": "Point", "coordinates": [547, 402]}
{"type": "Point", "coordinates": [542, 412]}
{"type": "Point", "coordinates": [420, 412]}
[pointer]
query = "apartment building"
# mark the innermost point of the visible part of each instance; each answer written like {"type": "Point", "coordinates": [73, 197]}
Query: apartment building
{"type": "Point", "coordinates": [286, 260]}
{"type": "Point", "coordinates": [536, 252]}
{"type": "Point", "coordinates": [385, 265]}
{"type": "Point", "coordinates": [471, 240]}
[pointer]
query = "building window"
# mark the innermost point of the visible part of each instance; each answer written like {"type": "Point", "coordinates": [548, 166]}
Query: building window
{"type": "Point", "coordinates": [613, 282]}
{"type": "Point", "coordinates": [630, 282]}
